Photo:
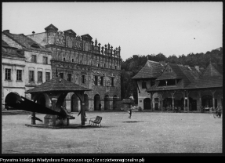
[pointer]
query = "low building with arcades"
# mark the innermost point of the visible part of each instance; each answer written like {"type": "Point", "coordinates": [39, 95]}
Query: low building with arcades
{"type": "Point", "coordinates": [173, 87]}
{"type": "Point", "coordinates": [80, 60]}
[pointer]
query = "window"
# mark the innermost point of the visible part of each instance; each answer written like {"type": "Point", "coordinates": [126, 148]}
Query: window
{"type": "Point", "coordinates": [152, 82]}
{"type": "Point", "coordinates": [47, 76]}
{"type": "Point", "coordinates": [143, 85]}
{"type": "Point", "coordinates": [33, 58]}
{"type": "Point", "coordinates": [31, 76]}
{"type": "Point", "coordinates": [101, 81]}
{"type": "Point", "coordinates": [112, 82]}
{"type": "Point", "coordinates": [98, 65]}
{"type": "Point", "coordinates": [69, 77]}
{"type": "Point", "coordinates": [72, 60]}
{"type": "Point", "coordinates": [61, 75]}
{"type": "Point", "coordinates": [64, 59]}
{"type": "Point", "coordinates": [19, 75]}
{"type": "Point", "coordinates": [115, 67]}
{"type": "Point", "coordinates": [7, 74]}
{"type": "Point", "coordinates": [83, 79]}
{"type": "Point", "coordinates": [45, 60]}
{"type": "Point", "coordinates": [39, 76]}
{"type": "Point", "coordinates": [96, 80]}
{"type": "Point", "coordinates": [104, 65]}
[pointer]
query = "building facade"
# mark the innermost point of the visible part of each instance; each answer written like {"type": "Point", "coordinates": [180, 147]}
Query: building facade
{"type": "Point", "coordinates": [80, 60]}
{"type": "Point", "coordinates": [29, 67]}
{"type": "Point", "coordinates": [13, 67]}
{"type": "Point", "coordinates": [178, 87]}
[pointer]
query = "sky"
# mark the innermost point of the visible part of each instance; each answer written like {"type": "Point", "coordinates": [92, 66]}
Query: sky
{"type": "Point", "coordinates": [139, 28]}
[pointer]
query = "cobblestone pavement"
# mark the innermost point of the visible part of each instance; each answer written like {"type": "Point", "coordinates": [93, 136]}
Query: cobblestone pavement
{"type": "Point", "coordinates": [145, 132]}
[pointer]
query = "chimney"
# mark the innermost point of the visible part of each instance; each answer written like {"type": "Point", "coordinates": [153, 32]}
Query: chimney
{"type": "Point", "coordinates": [33, 33]}
{"type": "Point", "coordinates": [7, 31]}
{"type": "Point", "coordinates": [197, 68]}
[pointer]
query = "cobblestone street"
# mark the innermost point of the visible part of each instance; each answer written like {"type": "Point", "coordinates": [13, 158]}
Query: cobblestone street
{"type": "Point", "coordinates": [145, 132]}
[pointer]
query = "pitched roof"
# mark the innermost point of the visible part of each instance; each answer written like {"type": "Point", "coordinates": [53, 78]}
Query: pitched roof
{"type": "Point", "coordinates": [187, 74]}
{"type": "Point", "coordinates": [86, 35]}
{"type": "Point", "coordinates": [51, 27]}
{"type": "Point", "coordinates": [209, 79]}
{"type": "Point", "coordinates": [218, 67]}
{"type": "Point", "coordinates": [5, 44]}
{"type": "Point", "coordinates": [58, 84]}
{"type": "Point", "coordinates": [26, 42]}
{"type": "Point", "coordinates": [10, 51]}
{"type": "Point", "coordinates": [207, 82]}
{"type": "Point", "coordinates": [70, 31]}
{"type": "Point", "coordinates": [213, 70]}
{"type": "Point", "coordinates": [150, 70]}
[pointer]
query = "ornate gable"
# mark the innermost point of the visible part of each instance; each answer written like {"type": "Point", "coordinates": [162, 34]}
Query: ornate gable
{"type": "Point", "coordinates": [70, 32]}
{"type": "Point", "coordinates": [52, 28]}
{"type": "Point", "coordinates": [86, 37]}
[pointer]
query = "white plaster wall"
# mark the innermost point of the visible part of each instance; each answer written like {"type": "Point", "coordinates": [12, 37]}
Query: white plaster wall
{"type": "Point", "coordinates": [38, 66]}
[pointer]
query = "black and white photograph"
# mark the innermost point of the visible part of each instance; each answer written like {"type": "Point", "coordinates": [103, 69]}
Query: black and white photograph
{"type": "Point", "coordinates": [111, 78]}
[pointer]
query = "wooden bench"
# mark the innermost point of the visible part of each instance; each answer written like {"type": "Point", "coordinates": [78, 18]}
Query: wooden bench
{"type": "Point", "coordinates": [95, 121]}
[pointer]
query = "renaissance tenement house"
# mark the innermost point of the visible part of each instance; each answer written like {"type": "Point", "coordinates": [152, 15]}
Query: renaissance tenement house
{"type": "Point", "coordinates": [184, 88]}
{"type": "Point", "coordinates": [25, 64]}
{"type": "Point", "coordinates": [80, 60]}
{"type": "Point", "coordinates": [13, 63]}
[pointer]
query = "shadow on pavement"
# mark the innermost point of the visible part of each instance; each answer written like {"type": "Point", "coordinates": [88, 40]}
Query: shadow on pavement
{"type": "Point", "coordinates": [72, 126]}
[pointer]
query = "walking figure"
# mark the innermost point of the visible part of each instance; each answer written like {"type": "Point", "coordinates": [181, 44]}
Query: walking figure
{"type": "Point", "coordinates": [130, 113]}
{"type": "Point", "coordinates": [219, 111]}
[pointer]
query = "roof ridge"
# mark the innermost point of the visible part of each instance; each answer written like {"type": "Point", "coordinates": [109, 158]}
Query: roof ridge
{"type": "Point", "coordinates": [10, 35]}
{"type": "Point", "coordinates": [152, 61]}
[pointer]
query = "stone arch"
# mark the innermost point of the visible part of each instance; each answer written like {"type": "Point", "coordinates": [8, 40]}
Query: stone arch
{"type": "Point", "coordinates": [106, 102]}
{"type": "Point", "coordinates": [86, 101]}
{"type": "Point", "coordinates": [75, 103]}
{"type": "Point", "coordinates": [42, 99]}
{"type": "Point", "coordinates": [193, 97]}
{"type": "Point", "coordinates": [97, 102]}
{"type": "Point", "coordinates": [207, 101]}
{"type": "Point", "coordinates": [156, 101]}
{"type": "Point", "coordinates": [179, 100]}
{"type": "Point", "coordinates": [147, 104]}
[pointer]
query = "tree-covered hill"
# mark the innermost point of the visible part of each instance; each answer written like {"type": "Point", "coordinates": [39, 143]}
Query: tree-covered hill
{"type": "Point", "coordinates": [132, 65]}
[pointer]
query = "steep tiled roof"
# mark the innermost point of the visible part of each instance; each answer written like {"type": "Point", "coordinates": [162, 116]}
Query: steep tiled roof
{"type": "Point", "coordinates": [150, 70]}
{"type": "Point", "coordinates": [207, 82]}
{"type": "Point", "coordinates": [57, 84]}
{"type": "Point", "coordinates": [210, 78]}
{"type": "Point", "coordinates": [192, 79]}
{"type": "Point", "coordinates": [218, 67]}
{"type": "Point", "coordinates": [212, 70]}
{"type": "Point", "coordinates": [5, 44]}
{"type": "Point", "coordinates": [10, 51]}
{"type": "Point", "coordinates": [187, 74]}
{"type": "Point", "coordinates": [25, 41]}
